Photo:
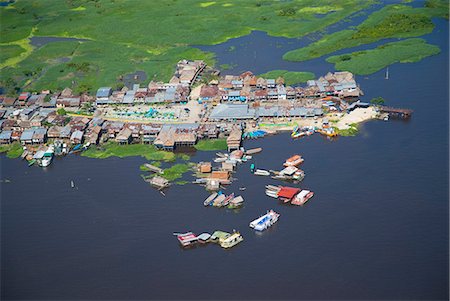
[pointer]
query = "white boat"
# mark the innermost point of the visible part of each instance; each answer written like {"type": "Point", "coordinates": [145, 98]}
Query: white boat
{"type": "Point", "coordinates": [262, 172]}
{"type": "Point", "coordinates": [272, 187]}
{"type": "Point", "coordinates": [272, 193]}
{"type": "Point", "coordinates": [302, 197]}
{"type": "Point", "coordinates": [265, 221]}
{"type": "Point", "coordinates": [48, 156]}
{"type": "Point", "coordinates": [210, 199]}
{"type": "Point", "coordinates": [218, 160]}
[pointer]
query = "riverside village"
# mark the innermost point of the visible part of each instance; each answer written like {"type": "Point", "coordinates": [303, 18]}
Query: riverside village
{"type": "Point", "coordinates": [197, 106]}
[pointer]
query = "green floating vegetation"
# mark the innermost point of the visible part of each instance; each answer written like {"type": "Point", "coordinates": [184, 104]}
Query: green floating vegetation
{"type": "Point", "coordinates": [176, 171]}
{"type": "Point", "coordinates": [290, 77]}
{"type": "Point", "coordinates": [211, 145]}
{"type": "Point", "coordinates": [351, 131]}
{"type": "Point", "coordinates": [392, 21]}
{"type": "Point", "coordinates": [152, 45]}
{"type": "Point", "coordinates": [184, 157]}
{"type": "Point", "coordinates": [10, 51]}
{"type": "Point", "coordinates": [111, 149]}
{"type": "Point", "coordinates": [13, 150]}
{"type": "Point", "coordinates": [370, 61]}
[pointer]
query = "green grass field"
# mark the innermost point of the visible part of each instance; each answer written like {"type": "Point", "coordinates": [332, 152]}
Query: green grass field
{"type": "Point", "coordinates": [290, 77]}
{"type": "Point", "coordinates": [211, 144]}
{"type": "Point", "coordinates": [126, 36]}
{"type": "Point", "coordinates": [13, 150]}
{"type": "Point", "coordinates": [370, 61]}
{"type": "Point", "coordinates": [111, 149]}
{"type": "Point", "coordinates": [392, 21]}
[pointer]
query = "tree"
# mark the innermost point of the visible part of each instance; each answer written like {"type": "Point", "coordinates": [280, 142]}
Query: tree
{"type": "Point", "coordinates": [61, 111]}
{"type": "Point", "coordinates": [377, 100]}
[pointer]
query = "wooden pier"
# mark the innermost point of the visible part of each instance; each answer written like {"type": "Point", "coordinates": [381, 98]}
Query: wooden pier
{"type": "Point", "coordinates": [396, 112]}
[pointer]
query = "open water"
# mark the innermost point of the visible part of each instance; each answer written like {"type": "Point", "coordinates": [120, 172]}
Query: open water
{"type": "Point", "coordinates": [377, 227]}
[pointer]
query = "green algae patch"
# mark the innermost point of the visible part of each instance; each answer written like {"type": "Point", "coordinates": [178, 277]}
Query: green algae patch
{"type": "Point", "coordinates": [13, 150]}
{"type": "Point", "coordinates": [392, 21]}
{"type": "Point", "coordinates": [370, 61]}
{"type": "Point", "coordinates": [176, 171]}
{"type": "Point", "coordinates": [290, 77]}
{"type": "Point", "coordinates": [153, 45]}
{"type": "Point", "coordinates": [111, 149]}
{"type": "Point", "coordinates": [211, 145]}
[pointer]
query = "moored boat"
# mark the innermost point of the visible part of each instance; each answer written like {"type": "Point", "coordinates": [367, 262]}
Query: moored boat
{"type": "Point", "coordinates": [236, 202]}
{"type": "Point", "coordinates": [231, 240]}
{"type": "Point", "coordinates": [186, 239]}
{"type": "Point", "coordinates": [47, 157]}
{"type": "Point", "coordinates": [227, 200]}
{"type": "Point", "coordinates": [218, 200]}
{"type": "Point", "coordinates": [302, 197]}
{"type": "Point", "coordinates": [262, 172]}
{"type": "Point", "coordinates": [210, 199]}
{"type": "Point", "coordinates": [293, 161]}
{"type": "Point", "coordinates": [265, 221]}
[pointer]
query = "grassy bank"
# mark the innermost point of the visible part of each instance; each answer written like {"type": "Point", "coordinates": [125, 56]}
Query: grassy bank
{"type": "Point", "coordinates": [351, 131]}
{"type": "Point", "coordinates": [111, 149]}
{"type": "Point", "coordinates": [211, 144]}
{"type": "Point", "coordinates": [392, 21]}
{"type": "Point", "coordinates": [290, 77]}
{"type": "Point", "coordinates": [149, 35]}
{"type": "Point", "coordinates": [370, 61]}
{"type": "Point", "coordinates": [13, 150]}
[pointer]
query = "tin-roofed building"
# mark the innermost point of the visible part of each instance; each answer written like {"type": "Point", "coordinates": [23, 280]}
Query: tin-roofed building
{"type": "Point", "coordinates": [27, 136]}
{"type": "Point", "coordinates": [232, 112]}
{"type": "Point", "coordinates": [5, 137]}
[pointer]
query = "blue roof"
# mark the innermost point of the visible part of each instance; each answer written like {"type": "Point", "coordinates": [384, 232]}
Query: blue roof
{"type": "Point", "coordinates": [27, 134]}
{"type": "Point", "coordinates": [5, 135]}
{"type": "Point", "coordinates": [104, 92]}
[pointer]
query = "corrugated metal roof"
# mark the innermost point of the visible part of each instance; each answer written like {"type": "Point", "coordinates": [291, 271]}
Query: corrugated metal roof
{"type": "Point", "coordinates": [232, 111]}
{"type": "Point", "coordinates": [4, 135]}
{"type": "Point", "coordinates": [27, 134]}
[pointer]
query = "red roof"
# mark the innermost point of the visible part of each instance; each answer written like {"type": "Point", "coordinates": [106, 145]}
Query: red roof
{"type": "Point", "coordinates": [288, 192]}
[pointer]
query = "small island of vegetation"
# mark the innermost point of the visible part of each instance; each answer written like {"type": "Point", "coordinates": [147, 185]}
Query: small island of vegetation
{"type": "Point", "coordinates": [370, 61]}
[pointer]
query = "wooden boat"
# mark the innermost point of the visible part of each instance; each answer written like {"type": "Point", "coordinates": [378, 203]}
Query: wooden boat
{"type": "Point", "coordinates": [293, 161]}
{"type": "Point", "coordinates": [272, 187]}
{"type": "Point", "coordinates": [236, 202]}
{"type": "Point", "coordinates": [302, 197]}
{"type": "Point", "coordinates": [24, 154]}
{"type": "Point", "coordinates": [253, 151]}
{"type": "Point", "coordinates": [218, 201]}
{"type": "Point", "coordinates": [227, 200]}
{"type": "Point", "coordinates": [210, 199]}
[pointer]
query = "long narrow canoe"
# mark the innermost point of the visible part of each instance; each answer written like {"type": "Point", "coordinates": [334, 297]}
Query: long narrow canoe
{"type": "Point", "coordinates": [210, 199]}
